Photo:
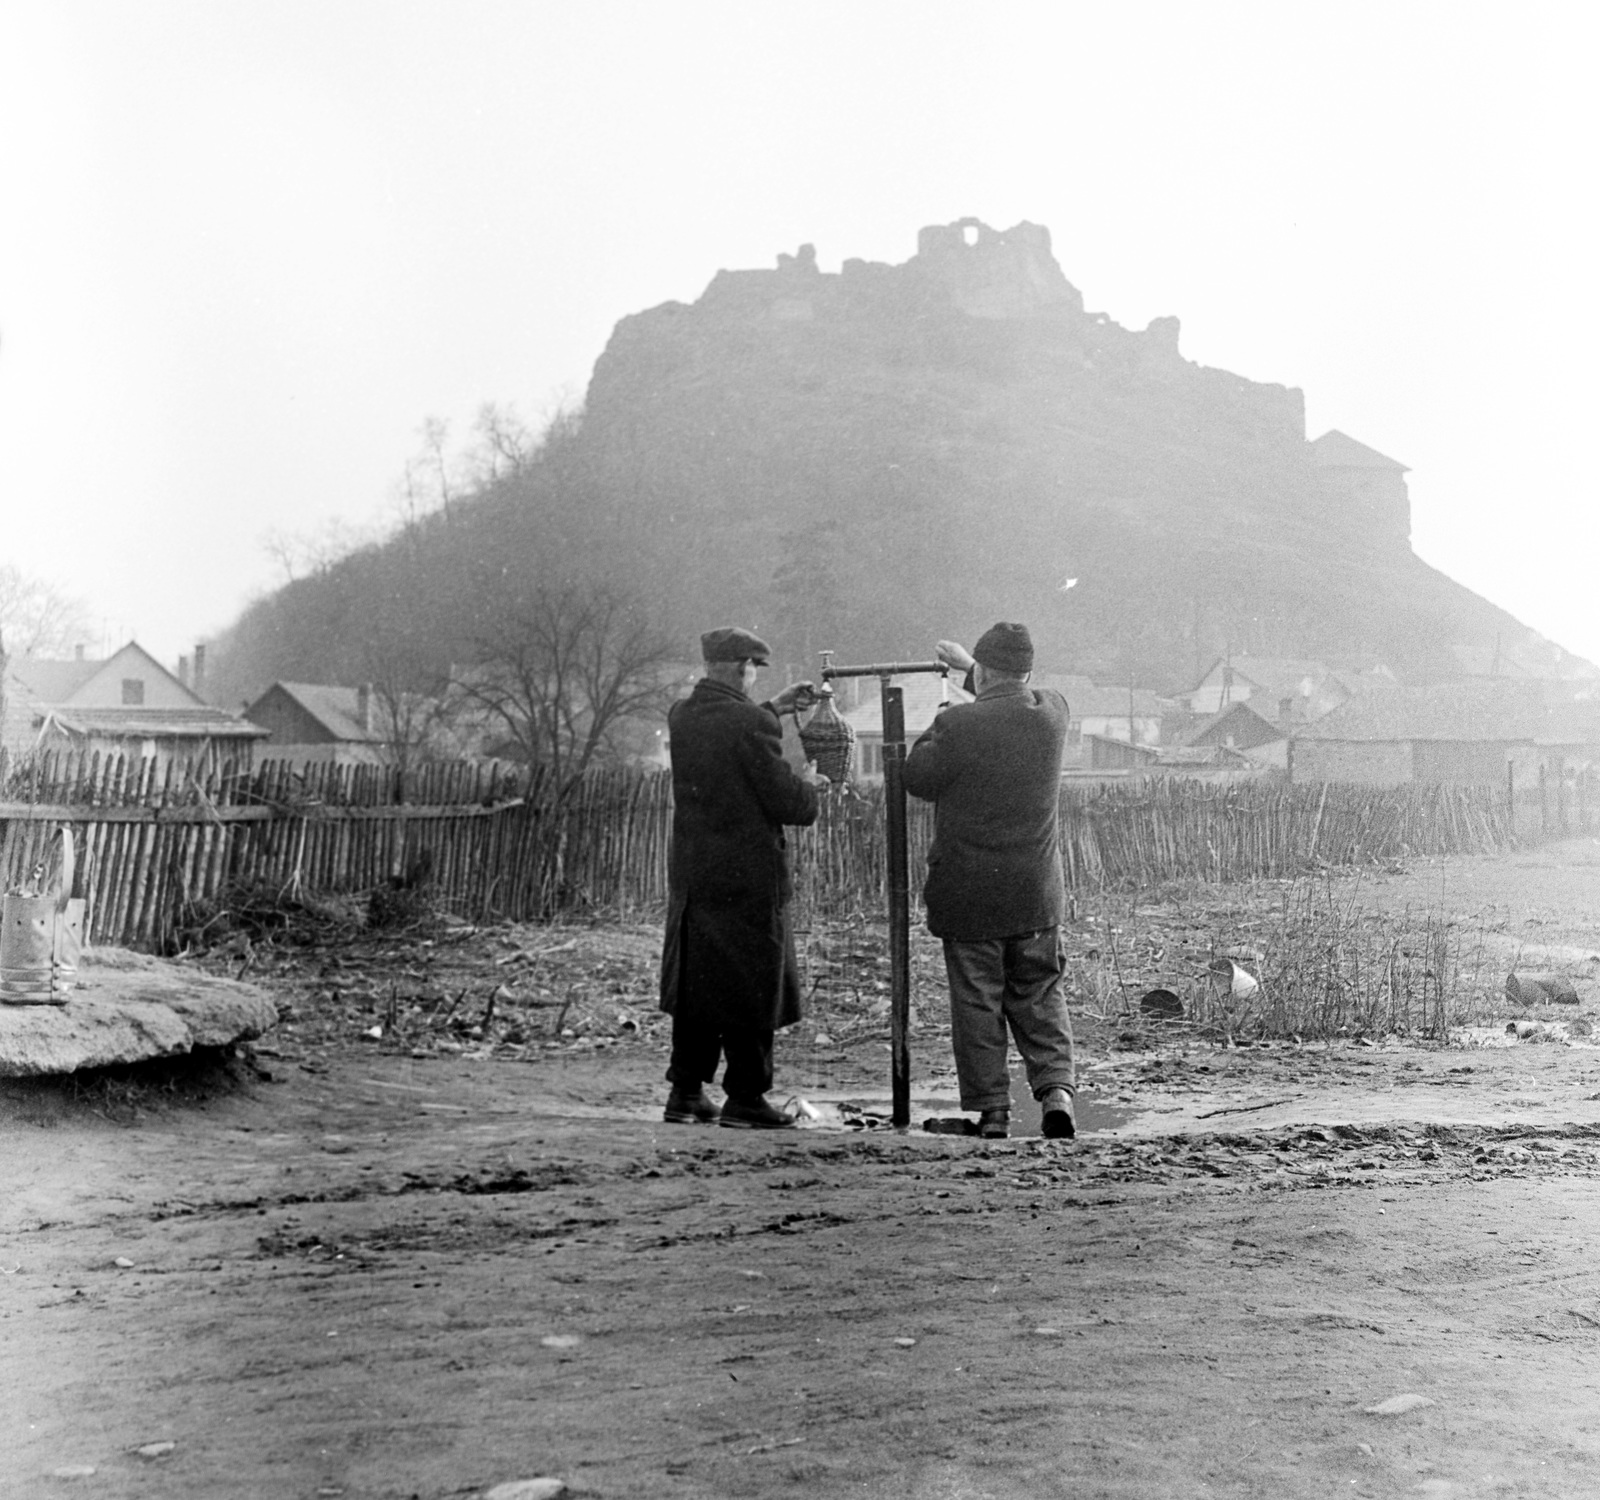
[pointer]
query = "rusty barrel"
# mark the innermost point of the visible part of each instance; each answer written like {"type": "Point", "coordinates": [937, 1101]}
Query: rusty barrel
{"type": "Point", "coordinates": [41, 939]}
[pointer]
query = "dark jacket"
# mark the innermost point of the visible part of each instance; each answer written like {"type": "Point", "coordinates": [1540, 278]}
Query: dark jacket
{"type": "Point", "coordinates": [728, 955]}
{"type": "Point", "coordinates": [992, 769]}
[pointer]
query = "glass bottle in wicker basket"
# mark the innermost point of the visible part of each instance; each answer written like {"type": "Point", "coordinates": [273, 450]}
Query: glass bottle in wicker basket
{"type": "Point", "coordinates": [827, 739]}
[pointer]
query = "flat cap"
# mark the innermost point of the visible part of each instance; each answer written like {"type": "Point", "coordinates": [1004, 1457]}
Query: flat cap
{"type": "Point", "coordinates": [730, 643]}
{"type": "Point", "coordinates": [1007, 647]}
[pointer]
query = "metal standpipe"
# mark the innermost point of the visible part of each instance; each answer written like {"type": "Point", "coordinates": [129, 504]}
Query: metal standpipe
{"type": "Point", "coordinates": [897, 869]}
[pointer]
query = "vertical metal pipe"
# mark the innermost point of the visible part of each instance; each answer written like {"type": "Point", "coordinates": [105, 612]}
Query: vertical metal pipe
{"type": "Point", "coordinates": [899, 893]}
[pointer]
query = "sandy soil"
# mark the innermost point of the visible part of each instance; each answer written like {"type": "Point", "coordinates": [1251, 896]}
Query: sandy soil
{"type": "Point", "coordinates": [382, 1268]}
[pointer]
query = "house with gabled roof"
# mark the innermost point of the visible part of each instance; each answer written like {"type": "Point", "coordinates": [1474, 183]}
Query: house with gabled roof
{"type": "Point", "coordinates": [126, 703]}
{"type": "Point", "coordinates": [314, 723]}
{"type": "Point", "coordinates": [1239, 727]}
{"type": "Point", "coordinates": [1284, 689]}
{"type": "Point", "coordinates": [922, 697]}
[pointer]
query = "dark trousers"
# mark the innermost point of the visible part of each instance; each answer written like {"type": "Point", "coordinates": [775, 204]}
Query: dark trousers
{"type": "Point", "coordinates": [1015, 980]}
{"type": "Point", "coordinates": [697, 1044]}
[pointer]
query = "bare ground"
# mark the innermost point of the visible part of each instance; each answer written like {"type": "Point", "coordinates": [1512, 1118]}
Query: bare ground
{"type": "Point", "coordinates": [426, 1262]}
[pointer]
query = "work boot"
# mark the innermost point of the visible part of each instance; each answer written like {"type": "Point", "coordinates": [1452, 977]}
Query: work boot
{"type": "Point", "coordinates": [994, 1124]}
{"type": "Point", "coordinates": [754, 1114]}
{"type": "Point", "coordinates": [1059, 1122]}
{"type": "Point", "coordinates": [684, 1108]}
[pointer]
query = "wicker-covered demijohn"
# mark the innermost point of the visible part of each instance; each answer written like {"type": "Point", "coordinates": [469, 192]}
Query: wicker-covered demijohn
{"type": "Point", "coordinates": [828, 740]}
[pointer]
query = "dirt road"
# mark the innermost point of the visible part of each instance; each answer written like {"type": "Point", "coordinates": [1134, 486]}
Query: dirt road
{"type": "Point", "coordinates": [386, 1275]}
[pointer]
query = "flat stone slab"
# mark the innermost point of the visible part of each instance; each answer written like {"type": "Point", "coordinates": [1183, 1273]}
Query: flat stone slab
{"type": "Point", "coordinates": [126, 1008]}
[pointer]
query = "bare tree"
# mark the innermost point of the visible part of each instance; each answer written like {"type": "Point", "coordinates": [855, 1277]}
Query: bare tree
{"type": "Point", "coordinates": [315, 549]}
{"type": "Point", "coordinates": [36, 618]}
{"type": "Point", "coordinates": [428, 481]}
{"type": "Point", "coordinates": [564, 670]}
{"type": "Point", "coordinates": [411, 716]}
{"type": "Point", "coordinates": [504, 448]}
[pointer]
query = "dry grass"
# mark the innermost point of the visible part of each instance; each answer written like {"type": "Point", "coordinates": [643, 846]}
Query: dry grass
{"type": "Point", "coordinates": [1325, 962]}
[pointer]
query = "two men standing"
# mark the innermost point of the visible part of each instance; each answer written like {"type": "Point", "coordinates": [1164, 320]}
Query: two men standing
{"type": "Point", "coordinates": [992, 769]}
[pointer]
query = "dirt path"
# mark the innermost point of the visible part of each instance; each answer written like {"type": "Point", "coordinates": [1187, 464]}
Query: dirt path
{"type": "Point", "coordinates": [384, 1275]}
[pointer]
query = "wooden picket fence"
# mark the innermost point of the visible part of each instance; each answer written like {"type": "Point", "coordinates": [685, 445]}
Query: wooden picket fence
{"type": "Point", "coordinates": [157, 841]}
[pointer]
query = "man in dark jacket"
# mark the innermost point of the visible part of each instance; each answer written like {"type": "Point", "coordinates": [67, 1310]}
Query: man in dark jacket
{"type": "Point", "coordinates": [728, 972]}
{"type": "Point", "coordinates": [992, 769]}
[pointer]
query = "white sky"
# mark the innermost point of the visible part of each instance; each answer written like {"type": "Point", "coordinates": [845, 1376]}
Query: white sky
{"type": "Point", "coordinates": [247, 247]}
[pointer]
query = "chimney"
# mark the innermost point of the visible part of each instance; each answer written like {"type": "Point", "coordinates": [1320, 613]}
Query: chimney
{"type": "Point", "coordinates": [183, 670]}
{"type": "Point", "coordinates": [1286, 711]}
{"type": "Point", "coordinates": [77, 652]}
{"type": "Point", "coordinates": [364, 707]}
{"type": "Point", "coordinates": [199, 684]}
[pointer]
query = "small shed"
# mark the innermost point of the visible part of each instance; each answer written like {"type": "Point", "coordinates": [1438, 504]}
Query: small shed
{"type": "Point", "coordinates": [1107, 753]}
{"type": "Point", "coordinates": [313, 723]}
{"type": "Point", "coordinates": [1239, 727]}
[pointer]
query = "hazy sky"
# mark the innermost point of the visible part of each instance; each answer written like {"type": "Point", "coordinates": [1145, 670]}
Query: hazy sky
{"type": "Point", "coordinates": [246, 248]}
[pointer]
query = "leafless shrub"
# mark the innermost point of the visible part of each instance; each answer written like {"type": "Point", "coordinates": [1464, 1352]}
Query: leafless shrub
{"type": "Point", "coordinates": [1331, 966]}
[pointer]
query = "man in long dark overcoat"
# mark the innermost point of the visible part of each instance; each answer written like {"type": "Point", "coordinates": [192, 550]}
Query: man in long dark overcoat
{"type": "Point", "coordinates": [992, 769]}
{"type": "Point", "coordinates": [728, 972]}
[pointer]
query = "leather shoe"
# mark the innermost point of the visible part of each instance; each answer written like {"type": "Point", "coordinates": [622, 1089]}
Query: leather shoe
{"type": "Point", "coordinates": [754, 1114]}
{"type": "Point", "coordinates": [689, 1109]}
{"type": "Point", "coordinates": [994, 1124]}
{"type": "Point", "coordinates": [1059, 1122]}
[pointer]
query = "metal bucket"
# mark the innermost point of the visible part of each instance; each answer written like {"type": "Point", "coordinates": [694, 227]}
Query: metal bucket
{"type": "Point", "coordinates": [41, 940]}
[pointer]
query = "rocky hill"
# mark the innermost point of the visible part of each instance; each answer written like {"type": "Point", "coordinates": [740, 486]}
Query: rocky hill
{"type": "Point", "coordinates": [871, 459]}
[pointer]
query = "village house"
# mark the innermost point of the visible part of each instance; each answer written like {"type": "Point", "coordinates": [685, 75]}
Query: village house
{"type": "Point", "coordinates": [315, 723]}
{"type": "Point", "coordinates": [1482, 732]}
{"type": "Point", "coordinates": [127, 703]}
{"type": "Point", "coordinates": [922, 700]}
{"type": "Point", "coordinates": [1112, 714]}
{"type": "Point", "coordinates": [1285, 690]}
{"type": "Point", "coordinates": [1239, 727]}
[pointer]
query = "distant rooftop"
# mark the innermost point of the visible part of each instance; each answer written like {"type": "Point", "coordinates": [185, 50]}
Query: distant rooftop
{"type": "Point", "coordinates": [337, 709]}
{"type": "Point", "coordinates": [156, 723]}
{"type": "Point", "coordinates": [52, 681]}
{"type": "Point", "coordinates": [1476, 709]}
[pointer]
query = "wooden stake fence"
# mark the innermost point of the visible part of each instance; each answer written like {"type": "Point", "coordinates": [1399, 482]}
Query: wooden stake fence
{"type": "Point", "coordinates": [157, 842]}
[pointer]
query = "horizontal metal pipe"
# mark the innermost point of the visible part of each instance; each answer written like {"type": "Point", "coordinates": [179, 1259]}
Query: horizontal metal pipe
{"type": "Point", "coordinates": [885, 669]}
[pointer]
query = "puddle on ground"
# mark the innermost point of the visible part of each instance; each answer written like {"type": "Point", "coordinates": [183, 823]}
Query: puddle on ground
{"type": "Point", "coordinates": [854, 1109]}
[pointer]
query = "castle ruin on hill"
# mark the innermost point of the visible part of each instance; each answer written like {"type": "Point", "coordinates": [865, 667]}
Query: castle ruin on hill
{"type": "Point", "coordinates": [803, 449]}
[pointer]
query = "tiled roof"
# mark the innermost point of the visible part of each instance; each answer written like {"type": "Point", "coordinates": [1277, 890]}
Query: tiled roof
{"type": "Point", "coordinates": [52, 681]}
{"type": "Point", "coordinates": [337, 709]}
{"type": "Point", "coordinates": [1250, 721]}
{"type": "Point", "coordinates": [1477, 709]}
{"type": "Point", "coordinates": [1336, 450]}
{"type": "Point", "coordinates": [156, 723]}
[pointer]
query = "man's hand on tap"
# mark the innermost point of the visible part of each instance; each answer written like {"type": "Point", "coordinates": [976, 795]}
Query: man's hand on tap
{"type": "Point", "coordinates": [796, 698]}
{"type": "Point", "coordinates": [954, 655]}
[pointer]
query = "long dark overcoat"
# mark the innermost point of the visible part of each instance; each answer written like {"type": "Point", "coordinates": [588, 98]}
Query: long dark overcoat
{"type": "Point", "coordinates": [992, 769]}
{"type": "Point", "coordinates": [729, 955]}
